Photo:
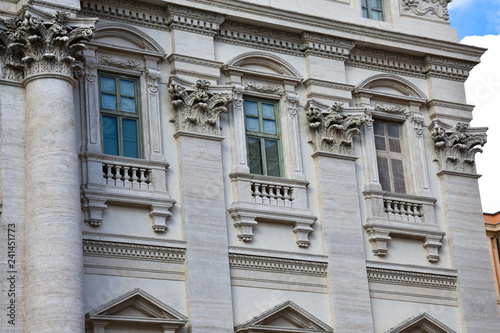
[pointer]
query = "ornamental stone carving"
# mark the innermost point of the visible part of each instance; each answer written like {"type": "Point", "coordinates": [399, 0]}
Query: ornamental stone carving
{"type": "Point", "coordinates": [456, 148]}
{"type": "Point", "coordinates": [119, 63]}
{"type": "Point", "coordinates": [333, 131]}
{"type": "Point", "coordinates": [264, 88]}
{"type": "Point", "coordinates": [391, 109]}
{"type": "Point", "coordinates": [198, 110]}
{"type": "Point", "coordinates": [438, 8]}
{"type": "Point", "coordinates": [33, 46]}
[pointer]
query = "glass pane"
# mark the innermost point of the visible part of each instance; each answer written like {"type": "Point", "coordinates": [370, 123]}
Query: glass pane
{"type": "Point", "coordinates": [129, 134]}
{"type": "Point", "coordinates": [377, 15]}
{"type": "Point", "coordinates": [251, 108]}
{"type": "Point", "coordinates": [268, 111]}
{"type": "Point", "coordinates": [378, 128]}
{"type": "Point", "coordinates": [365, 13]}
{"type": "Point", "coordinates": [108, 84]}
{"type": "Point", "coordinates": [364, 3]}
{"type": "Point", "coordinates": [110, 135]}
{"type": "Point", "coordinates": [254, 155]}
{"type": "Point", "coordinates": [376, 4]}
{"type": "Point", "coordinates": [380, 143]}
{"type": "Point", "coordinates": [108, 101]}
{"type": "Point", "coordinates": [395, 145]}
{"type": "Point", "coordinates": [269, 126]}
{"type": "Point", "coordinates": [398, 176]}
{"type": "Point", "coordinates": [272, 158]}
{"type": "Point", "coordinates": [253, 124]}
{"type": "Point", "coordinates": [383, 173]}
{"type": "Point", "coordinates": [128, 104]}
{"type": "Point", "coordinates": [127, 88]}
{"type": "Point", "coordinates": [393, 130]}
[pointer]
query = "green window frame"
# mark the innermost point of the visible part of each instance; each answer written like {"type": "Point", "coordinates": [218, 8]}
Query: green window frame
{"type": "Point", "coordinates": [263, 136]}
{"type": "Point", "coordinates": [120, 115]}
{"type": "Point", "coordinates": [373, 9]}
{"type": "Point", "coordinates": [390, 156]}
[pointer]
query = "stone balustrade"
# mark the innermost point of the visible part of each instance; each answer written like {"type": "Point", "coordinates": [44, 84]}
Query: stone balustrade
{"type": "Point", "coordinates": [272, 194]}
{"type": "Point", "coordinates": [403, 210]}
{"type": "Point", "coordinates": [125, 175]}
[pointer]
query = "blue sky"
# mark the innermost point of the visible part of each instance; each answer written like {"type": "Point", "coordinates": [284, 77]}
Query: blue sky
{"type": "Point", "coordinates": [475, 17]}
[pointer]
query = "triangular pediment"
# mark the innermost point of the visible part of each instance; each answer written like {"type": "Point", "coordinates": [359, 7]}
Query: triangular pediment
{"type": "Point", "coordinates": [287, 317]}
{"type": "Point", "coordinates": [423, 323]}
{"type": "Point", "coordinates": [136, 306]}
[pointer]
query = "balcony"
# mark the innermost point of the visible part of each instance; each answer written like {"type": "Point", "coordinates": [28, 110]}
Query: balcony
{"type": "Point", "coordinates": [124, 181]}
{"type": "Point", "coordinates": [402, 215]}
{"type": "Point", "coordinates": [270, 199]}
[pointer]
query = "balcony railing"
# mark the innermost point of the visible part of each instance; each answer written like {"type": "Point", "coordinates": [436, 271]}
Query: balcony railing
{"type": "Point", "coordinates": [272, 194]}
{"type": "Point", "coordinates": [127, 176]}
{"type": "Point", "coordinates": [403, 210]}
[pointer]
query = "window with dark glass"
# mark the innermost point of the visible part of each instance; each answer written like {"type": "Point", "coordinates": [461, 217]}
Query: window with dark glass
{"type": "Point", "coordinates": [120, 115]}
{"type": "Point", "coordinates": [389, 146]}
{"type": "Point", "coordinates": [373, 9]}
{"type": "Point", "coordinates": [263, 137]}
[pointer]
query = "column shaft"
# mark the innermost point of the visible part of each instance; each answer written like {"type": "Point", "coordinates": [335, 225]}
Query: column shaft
{"type": "Point", "coordinates": [54, 259]}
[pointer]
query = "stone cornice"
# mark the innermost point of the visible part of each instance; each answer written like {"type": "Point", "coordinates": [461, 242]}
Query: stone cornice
{"type": "Point", "coordinates": [133, 251]}
{"type": "Point", "coordinates": [261, 263]}
{"type": "Point", "coordinates": [168, 17]}
{"type": "Point", "coordinates": [448, 68]}
{"type": "Point", "coordinates": [345, 30]}
{"type": "Point", "coordinates": [406, 277]}
{"type": "Point", "coordinates": [387, 61]}
{"type": "Point", "coordinates": [245, 34]}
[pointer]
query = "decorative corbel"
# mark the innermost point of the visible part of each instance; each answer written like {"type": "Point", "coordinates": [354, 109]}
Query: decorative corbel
{"type": "Point", "coordinates": [244, 223]}
{"type": "Point", "coordinates": [378, 239]}
{"type": "Point", "coordinates": [302, 230]}
{"type": "Point", "coordinates": [160, 216]}
{"type": "Point", "coordinates": [93, 210]}
{"type": "Point", "coordinates": [432, 245]}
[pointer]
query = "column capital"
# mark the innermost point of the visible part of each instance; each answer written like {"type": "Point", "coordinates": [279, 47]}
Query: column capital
{"type": "Point", "coordinates": [457, 146]}
{"type": "Point", "coordinates": [36, 46]}
{"type": "Point", "coordinates": [197, 108]}
{"type": "Point", "coordinates": [332, 128]}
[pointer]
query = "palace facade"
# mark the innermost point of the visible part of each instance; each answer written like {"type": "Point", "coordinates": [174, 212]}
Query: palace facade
{"type": "Point", "coordinates": [239, 166]}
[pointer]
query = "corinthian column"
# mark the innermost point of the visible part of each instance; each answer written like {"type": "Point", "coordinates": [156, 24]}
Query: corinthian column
{"type": "Point", "coordinates": [44, 55]}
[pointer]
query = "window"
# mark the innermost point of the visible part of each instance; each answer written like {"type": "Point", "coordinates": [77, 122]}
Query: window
{"type": "Point", "coordinates": [373, 9]}
{"type": "Point", "coordinates": [120, 115]}
{"type": "Point", "coordinates": [389, 156]}
{"type": "Point", "coordinates": [263, 137]}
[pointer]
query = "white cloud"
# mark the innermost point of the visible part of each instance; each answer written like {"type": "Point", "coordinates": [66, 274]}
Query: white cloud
{"type": "Point", "coordinates": [483, 90]}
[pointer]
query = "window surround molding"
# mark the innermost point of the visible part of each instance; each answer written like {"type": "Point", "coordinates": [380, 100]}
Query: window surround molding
{"type": "Point", "coordinates": [392, 98]}
{"type": "Point", "coordinates": [266, 198]}
{"type": "Point", "coordinates": [117, 179]}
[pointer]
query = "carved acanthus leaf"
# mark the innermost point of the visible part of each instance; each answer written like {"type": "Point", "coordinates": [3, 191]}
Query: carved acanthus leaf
{"type": "Point", "coordinates": [118, 63]}
{"type": "Point", "coordinates": [197, 109]}
{"type": "Point", "coordinates": [33, 46]}
{"type": "Point", "coordinates": [333, 131]}
{"type": "Point", "coordinates": [423, 7]}
{"type": "Point", "coordinates": [265, 88]}
{"type": "Point", "coordinates": [391, 109]}
{"type": "Point", "coordinates": [456, 148]}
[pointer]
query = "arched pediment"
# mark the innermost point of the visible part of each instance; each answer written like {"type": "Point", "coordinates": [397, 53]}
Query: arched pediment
{"type": "Point", "coordinates": [117, 35]}
{"type": "Point", "coordinates": [263, 62]}
{"type": "Point", "coordinates": [392, 85]}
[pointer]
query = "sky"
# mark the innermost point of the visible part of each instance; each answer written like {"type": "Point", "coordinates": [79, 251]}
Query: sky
{"type": "Point", "coordinates": [478, 23]}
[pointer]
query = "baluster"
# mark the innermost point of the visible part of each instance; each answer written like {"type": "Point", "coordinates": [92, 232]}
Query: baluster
{"type": "Point", "coordinates": [419, 213]}
{"type": "Point", "coordinates": [292, 197]}
{"type": "Point", "coordinates": [142, 178]}
{"type": "Point", "coordinates": [108, 175]}
{"type": "Point", "coordinates": [117, 175]}
{"type": "Point", "coordinates": [258, 193]}
{"type": "Point", "coordinates": [390, 209]}
{"type": "Point", "coordinates": [265, 193]}
{"type": "Point", "coordinates": [279, 195]}
{"type": "Point", "coordinates": [272, 195]}
{"type": "Point", "coordinates": [411, 213]}
{"type": "Point", "coordinates": [126, 177]}
{"type": "Point", "coordinates": [134, 177]}
{"type": "Point", "coordinates": [397, 213]}
{"type": "Point", "coordinates": [286, 196]}
{"type": "Point", "coordinates": [148, 179]}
